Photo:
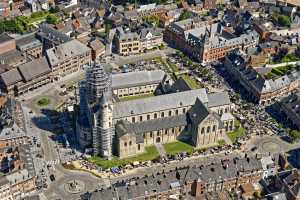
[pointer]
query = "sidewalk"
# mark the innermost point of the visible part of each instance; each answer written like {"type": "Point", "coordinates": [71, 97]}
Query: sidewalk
{"type": "Point", "coordinates": [161, 150]}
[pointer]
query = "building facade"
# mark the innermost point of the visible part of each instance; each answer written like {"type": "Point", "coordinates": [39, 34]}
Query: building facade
{"type": "Point", "coordinates": [260, 89]}
{"type": "Point", "coordinates": [206, 42]}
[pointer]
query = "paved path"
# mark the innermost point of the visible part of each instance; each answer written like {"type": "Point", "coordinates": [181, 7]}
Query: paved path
{"type": "Point", "coordinates": [161, 150]}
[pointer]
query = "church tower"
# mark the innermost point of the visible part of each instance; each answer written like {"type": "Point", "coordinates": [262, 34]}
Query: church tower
{"type": "Point", "coordinates": [99, 96]}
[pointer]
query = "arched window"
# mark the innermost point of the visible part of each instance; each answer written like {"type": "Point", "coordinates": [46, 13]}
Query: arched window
{"type": "Point", "coordinates": [208, 129]}
{"type": "Point", "coordinates": [176, 111]}
{"type": "Point", "coordinates": [158, 133]}
{"type": "Point", "coordinates": [139, 147]}
{"type": "Point", "coordinates": [162, 114]}
{"type": "Point", "coordinates": [183, 110]}
{"type": "Point", "coordinates": [202, 130]}
{"type": "Point", "coordinates": [155, 115]}
{"type": "Point", "coordinates": [125, 144]}
{"type": "Point", "coordinates": [170, 113]}
{"type": "Point", "coordinates": [133, 119]}
{"type": "Point", "coordinates": [226, 110]}
{"type": "Point", "coordinates": [214, 128]}
{"type": "Point", "coordinates": [130, 143]}
{"type": "Point", "coordinates": [148, 117]}
{"type": "Point", "coordinates": [141, 118]}
{"type": "Point", "coordinates": [166, 132]}
{"type": "Point", "coordinates": [151, 134]}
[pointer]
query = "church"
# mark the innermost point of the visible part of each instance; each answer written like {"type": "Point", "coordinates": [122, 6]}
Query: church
{"type": "Point", "coordinates": [110, 126]}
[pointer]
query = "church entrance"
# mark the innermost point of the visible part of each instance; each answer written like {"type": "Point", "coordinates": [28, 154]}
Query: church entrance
{"type": "Point", "coordinates": [158, 140]}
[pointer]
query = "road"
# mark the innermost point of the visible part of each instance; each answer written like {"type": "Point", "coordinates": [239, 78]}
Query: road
{"type": "Point", "coordinates": [51, 157]}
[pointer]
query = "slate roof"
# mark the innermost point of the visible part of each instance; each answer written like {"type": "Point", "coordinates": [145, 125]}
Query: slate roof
{"type": "Point", "coordinates": [11, 77]}
{"type": "Point", "coordinates": [198, 112]}
{"type": "Point", "coordinates": [158, 183]}
{"type": "Point", "coordinates": [156, 103]}
{"type": "Point", "coordinates": [124, 127]}
{"type": "Point", "coordinates": [34, 68]}
{"type": "Point", "coordinates": [66, 51]}
{"type": "Point", "coordinates": [125, 80]}
{"type": "Point", "coordinates": [27, 42]}
{"type": "Point", "coordinates": [217, 99]}
{"type": "Point", "coordinates": [4, 37]}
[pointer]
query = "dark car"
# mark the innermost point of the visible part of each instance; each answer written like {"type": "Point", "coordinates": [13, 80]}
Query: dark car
{"type": "Point", "coordinates": [52, 177]}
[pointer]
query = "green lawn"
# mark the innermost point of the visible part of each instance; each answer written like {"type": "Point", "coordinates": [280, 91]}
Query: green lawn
{"type": "Point", "coordinates": [172, 66]}
{"type": "Point", "coordinates": [279, 71]}
{"type": "Point", "coordinates": [43, 101]}
{"type": "Point", "coordinates": [129, 98]}
{"type": "Point", "coordinates": [150, 154]}
{"type": "Point", "coordinates": [178, 147]}
{"type": "Point", "coordinates": [295, 134]}
{"type": "Point", "coordinates": [193, 83]}
{"type": "Point", "coordinates": [240, 131]}
{"type": "Point", "coordinates": [290, 58]}
{"type": "Point", "coordinates": [221, 142]}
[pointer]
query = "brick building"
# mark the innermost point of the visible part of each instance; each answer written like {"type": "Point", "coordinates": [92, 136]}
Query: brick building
{"type": "Point", "coordinates": [206, 42]}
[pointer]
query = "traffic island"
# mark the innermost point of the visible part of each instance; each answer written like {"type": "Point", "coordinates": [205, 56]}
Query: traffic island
{"type": "Point", "coordinates": [43, 102]}
{"type": "Point", "coordinates": [74, 187]}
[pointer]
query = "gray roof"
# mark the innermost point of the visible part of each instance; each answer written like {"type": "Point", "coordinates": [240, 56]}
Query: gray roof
{"type": "Point", "coordinates": [11, 77]}
{"type": "Point", "coordinates": [139, 188]}
{"type": "Point", "coordinates": [153, 31]}
{"type": "Point", "coordinates": [126, 35]}
{"type": "Point", "coordinates": [34, 68]}
{"type": "Point", "coordinates": [198, 112]}
{"type": "Point", "coordinates": [46, 31]}
{"type": "Point", "coordinates": [65, 51]}
{"type": "Point", "coordinates": [3, 181]}
{"type": "Point", "coordinates": [150, 125]}
{"type": "Point", "coordinates": [218, 99]}
{"type": "Point", "coordinates": [4, 37]}
{"type": "Point", "coordinates": [158, 103]}
{"type": "Point", "coordinates": [125, 80]}
{"type": "Point", "coordinates": [27, 42]}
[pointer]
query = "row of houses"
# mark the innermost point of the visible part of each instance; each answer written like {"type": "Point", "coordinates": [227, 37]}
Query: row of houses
{"type": "Point", "coordinates": [195, 181]}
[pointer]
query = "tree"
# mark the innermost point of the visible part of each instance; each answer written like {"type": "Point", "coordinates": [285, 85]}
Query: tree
{"type": "Point", "coordinates": [54, 9]}
{"type": "Point", "coordinates": [185, 15]}
{"type": "Point", "coordinates": [52, 19]}
{"type": "Point", "coordinates": [295, 134]}
{"type": "Point", "coordinates": [284, 20]}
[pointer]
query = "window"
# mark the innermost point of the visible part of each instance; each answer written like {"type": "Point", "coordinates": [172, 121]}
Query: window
{"type": "Point", "coordinates": [141, 118]}
{"type": "Point", "coordinates": [176, 112]}
{"type": "Point", "coordinates": [158, 133]}
{"type": "Point", "coordinates": [162, 114]}
{"type": "Point", "coordinates": [214, 128]}
{"type": "Point", "coordinates": [133, 119]}
{"type": "Point", "coordinates": [155, 115]}
{"type": "Point", "coordinates": [166, 132]}
{"type": "Point", "coordinates": [151, 134]}
{"type": "Point", "coordinates": [125, 144]}
{"type": "Point", "coordinates": [170, 113]}
{"type": "Point", "coordinates": [183, 110]}
{"type": "Point", "coordinates": [226, 110]}
{"type": "Point", "coordinates": [139, 147]}
{"type": "Point", "coordinates": [202, 130]}
{"type": "Point", "coordinates": [130, 143]}
{"type": "Point", "coordinates": [144, 135]}
{"type": "Point", "coordinates": [148, 117]}
{"type": "Point", "coordinates": [208, 129]}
